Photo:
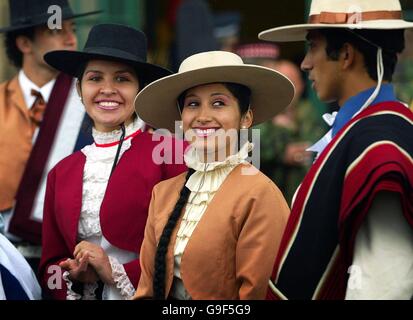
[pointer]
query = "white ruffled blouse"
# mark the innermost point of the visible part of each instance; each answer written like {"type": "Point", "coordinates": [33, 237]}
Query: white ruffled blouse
{"type": "Point", "coordinates": [203, 184]}
{"type": "Point", "coordinates": [98, 166]}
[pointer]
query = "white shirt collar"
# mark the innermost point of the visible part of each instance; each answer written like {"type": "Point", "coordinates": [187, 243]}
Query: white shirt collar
{"type": "Point", "coordinates": [27, 85]}
{"type": "Point", "coordinates": [321, 144]}
{"type": "Point", "coordinates": [113, 136]}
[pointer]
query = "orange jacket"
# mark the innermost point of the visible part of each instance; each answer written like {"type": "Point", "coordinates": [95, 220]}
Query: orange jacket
{"type": "Point", "coordinates": [231, 252]}
{"type": "Point", "coordinates": [16, 132]}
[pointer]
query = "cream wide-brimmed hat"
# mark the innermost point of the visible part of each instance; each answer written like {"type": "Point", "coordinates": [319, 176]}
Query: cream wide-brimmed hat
{"type": "Point", "coordinates": [271, 91]}
{"type": "Point", "coordinates": [348, 14]}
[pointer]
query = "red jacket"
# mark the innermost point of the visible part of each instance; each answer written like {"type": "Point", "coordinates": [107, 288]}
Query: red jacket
{"type": "Point", "coordinates": [123, 212]}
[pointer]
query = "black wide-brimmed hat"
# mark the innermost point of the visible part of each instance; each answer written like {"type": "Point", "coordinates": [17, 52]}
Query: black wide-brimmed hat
{"type": "Point", "coordinates": [30, 13]}
{"type": "Point", "coordinates": [112, 42]}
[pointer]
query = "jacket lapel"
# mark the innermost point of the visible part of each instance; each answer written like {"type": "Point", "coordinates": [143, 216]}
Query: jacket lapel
{"type": "Point", "coordinates": [16, 98]}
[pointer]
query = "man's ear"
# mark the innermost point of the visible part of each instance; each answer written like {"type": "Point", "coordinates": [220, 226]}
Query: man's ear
{"type": "Point", "coordinates": [78, 89]}
{"type": "Point", "coordinates": [348, 55]}
{"type": "Point", "coordinates": [24, 44]}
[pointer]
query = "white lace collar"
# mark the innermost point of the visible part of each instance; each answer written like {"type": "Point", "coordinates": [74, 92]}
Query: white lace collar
{"type": "Point", "coordinates": [192, 159]}
{"type": "Point", "coordinates": [114, 136]}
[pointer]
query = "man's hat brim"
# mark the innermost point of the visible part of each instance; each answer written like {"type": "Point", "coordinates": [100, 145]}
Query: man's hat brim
{"type": "Point", "coordinates": [299, 32]}
{"type": "Point", "coordinates": [69, 62]}
{"type": "Point", "coordinates": [46, 18]}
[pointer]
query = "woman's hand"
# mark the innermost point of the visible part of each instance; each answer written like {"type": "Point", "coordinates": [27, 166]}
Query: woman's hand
{"type": "Point", "coordinates": [97, 258]}
{"type": "Point", "coordinates": [80, 270]}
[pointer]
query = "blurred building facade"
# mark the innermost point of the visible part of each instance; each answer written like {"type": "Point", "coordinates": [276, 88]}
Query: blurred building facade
{"type": "Point", "coordinates": [158, 17]}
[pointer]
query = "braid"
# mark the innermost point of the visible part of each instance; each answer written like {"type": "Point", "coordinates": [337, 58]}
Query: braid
{"type": "Point", "coordinates": [160, 257]}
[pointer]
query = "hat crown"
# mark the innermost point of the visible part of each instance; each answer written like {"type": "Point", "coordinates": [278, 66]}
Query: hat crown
{"type": "Point", "coordinates": [29, 11]}
{"type": "Point", "coordinates": [117, 37]}
{"type": "Point", "coordinates": [210, 59]}
{"type": "Point", "coordinates": [353, 6]}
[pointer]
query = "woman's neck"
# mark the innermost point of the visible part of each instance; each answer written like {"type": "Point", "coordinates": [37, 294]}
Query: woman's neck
{"type": "Point", "coordinates": [219, 155]}
{"type": "Point", "coordinates": [106, 129]}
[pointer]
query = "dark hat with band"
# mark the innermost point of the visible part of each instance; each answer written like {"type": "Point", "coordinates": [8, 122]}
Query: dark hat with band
{"type": "Point", "coordinates": [109, 42]}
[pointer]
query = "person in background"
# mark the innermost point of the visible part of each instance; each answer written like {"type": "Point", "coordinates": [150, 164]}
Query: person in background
{"type": "Point", "coordinates": [286, 137]}
{"type": "Point", "coordinates": [227, 30]}
{"type": "Point", "coordinates": [212, 232]}
{"type": "Point", "coordinates": [40, 118]}
{"type": "Point", "coordinates": [97, 199]}
{"type": "Point", "coordinates": [198, 37]}
{"type": "Point", "coordinates": [350, 232]}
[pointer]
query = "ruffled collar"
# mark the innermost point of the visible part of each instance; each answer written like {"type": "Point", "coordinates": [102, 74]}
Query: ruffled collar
{"type": "Point", "coordinates": [208, 177]}
{"type": "Point", "coordinates": [192, 159]}
{"type": "Point", "coordinates": [103, 138]}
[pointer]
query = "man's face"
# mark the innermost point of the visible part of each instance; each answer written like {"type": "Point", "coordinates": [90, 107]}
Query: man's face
{"type": "Point", "coordinates": [46, 40]}
{"type": "Point", "coordinates": [324, 73]}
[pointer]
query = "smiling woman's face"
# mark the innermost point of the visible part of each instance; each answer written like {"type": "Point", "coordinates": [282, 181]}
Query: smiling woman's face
{"type": "Point", "coordinates": [108, 90]}
{"type": "Point", "coordinates": [212, 118]}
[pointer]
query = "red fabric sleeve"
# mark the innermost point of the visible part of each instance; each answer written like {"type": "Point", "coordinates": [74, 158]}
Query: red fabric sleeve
{"type": "Point", "coordinates": [133, 270]}
{"type": "Point", "coordinates": [54, 249]}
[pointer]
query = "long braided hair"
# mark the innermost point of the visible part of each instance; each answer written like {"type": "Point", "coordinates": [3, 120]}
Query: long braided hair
{"type": "Point", "coordinates": [160, 257]}
{"type": "Point", "coordinates": [242, 94]}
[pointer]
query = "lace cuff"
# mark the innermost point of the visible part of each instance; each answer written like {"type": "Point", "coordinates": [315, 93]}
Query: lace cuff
{"type": "Point", "coordinates": [70, 294]}
{"type": "Point", "coordinates": [88, 290]}
{"type": "Point", "coordinates": [121, 279]}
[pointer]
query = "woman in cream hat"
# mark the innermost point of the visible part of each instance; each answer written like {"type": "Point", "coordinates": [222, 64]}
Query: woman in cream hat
{"type": "Point", "coordinates": [213, 233]}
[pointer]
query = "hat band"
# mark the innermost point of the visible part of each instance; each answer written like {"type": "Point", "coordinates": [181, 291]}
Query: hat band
{"type": "Point", "coordinates": [258, 52]}
{"type": "Point", "coordinates": [354, 17]}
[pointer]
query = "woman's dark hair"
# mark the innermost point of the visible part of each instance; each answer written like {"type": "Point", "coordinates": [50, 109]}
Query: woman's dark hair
{"type": "Point", "coordinates": [160, 257]}
{"type": "Point", "coordinates": [391, 41]}
{"type": "Point", "coordinates": [239, 91]}
{"type": "Point", "coordinates": [13, 52]}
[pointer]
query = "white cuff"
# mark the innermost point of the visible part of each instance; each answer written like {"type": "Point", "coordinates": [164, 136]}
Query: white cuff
{"type": "Point", "coordinates": [122, 282]}
{"type": "Point", "coordinates": [88, 289]}
{"type": "Point", "coordinates": [70, 294]}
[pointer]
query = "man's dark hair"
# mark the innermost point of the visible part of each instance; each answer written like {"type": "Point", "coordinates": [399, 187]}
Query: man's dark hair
{"type": "Point", "coordinates": [391, 41]}
{"type": "Point", "coordinates": [12, 51]}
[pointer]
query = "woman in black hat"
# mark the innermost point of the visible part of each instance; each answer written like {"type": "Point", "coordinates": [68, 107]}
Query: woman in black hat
{"type": "Point", "coordinates": [97, 199]}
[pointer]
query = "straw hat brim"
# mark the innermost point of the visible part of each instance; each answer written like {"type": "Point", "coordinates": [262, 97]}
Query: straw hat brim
{"type": "Point", "coordinates": [69, 62]}
{"type": "Point", "coordinates": [271, 92]}
{"type": "Point", "coordinates": [299, 32]}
